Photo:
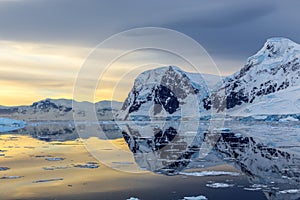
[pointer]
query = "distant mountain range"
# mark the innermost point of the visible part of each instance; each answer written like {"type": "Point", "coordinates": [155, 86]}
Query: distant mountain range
{"type": "Point", "coordinates": [60, 109]}
{"type": "Point", "coordinates": [268, 84]}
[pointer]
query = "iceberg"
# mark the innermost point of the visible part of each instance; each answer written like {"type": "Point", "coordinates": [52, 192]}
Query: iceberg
{"type": "Point", "coordinates": [201, 197]}
{"type": "Point", "coordinates": [7, 125]}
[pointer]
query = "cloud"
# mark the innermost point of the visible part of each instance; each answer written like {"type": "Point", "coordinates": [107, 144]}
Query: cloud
{"type": "Point", "coordinates": [27, 68]}
{"type": "Point", "coordinates": [43, 43]}
{"type": "Point", "coordinates": [227, 15]}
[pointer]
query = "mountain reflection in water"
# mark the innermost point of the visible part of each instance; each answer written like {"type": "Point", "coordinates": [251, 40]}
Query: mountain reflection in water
{"type": "Point", "coordinates": [173, 146]}
{"type": "Point", "coordinates": [170, 148]}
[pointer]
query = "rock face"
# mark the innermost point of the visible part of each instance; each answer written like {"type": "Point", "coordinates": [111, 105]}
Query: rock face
{"type": "Point", "coordinates": [166, 91]}
{"type": "Point", "coordinates": [274, 68]}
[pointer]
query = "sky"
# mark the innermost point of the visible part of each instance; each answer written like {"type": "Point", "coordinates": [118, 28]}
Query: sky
{"type": "Point", "coordinates": [45, 43]}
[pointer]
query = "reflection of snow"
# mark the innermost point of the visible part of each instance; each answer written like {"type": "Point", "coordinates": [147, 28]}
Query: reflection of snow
{"type": "Point", "coordinates": [210, 173]}
{"type": "Point", "coordinates": [271, 133]}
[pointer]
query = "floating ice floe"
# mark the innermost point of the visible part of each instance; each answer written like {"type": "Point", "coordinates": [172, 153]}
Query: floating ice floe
{"type": "Point", "coordinates": [252, 189]}
{"type": "Point", "coordinates": [133, 198]}
{"type": "Point", "coordinates": [288, 119]}
{"type": "Point", "coordinates": [90, 165]}
{"type": "Point", "coordinates": [55, 167]}
{"type": "Point", "coordinates": [210, 173]}
{"type": "Point", "coordinates": [201, 197]}
{"type": "Point", "coordinates": [256, 187]}
{"type": "Point", "coordinates": [4, 168]}
{"type": "Point", "coordinates": [54, 159]}
{"type": "Point", "coordinates": [219, 185]}
{"type": "Point", "coordinates": [7, 125]}
{"type": "Point", "coordinates": [48, 180]}
{"type": "Point", "coordinates": [290, 191]}
{"type": "Point", "coordinates": [259, 186]}
{"type": "Point", "coordinates": [11, 177]}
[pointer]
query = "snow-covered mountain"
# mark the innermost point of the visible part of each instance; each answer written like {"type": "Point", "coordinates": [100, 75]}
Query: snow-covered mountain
{"type": "Point", "coordinates": [166, 92]}
{"type": "Point", "coordinates": [268, 84]}
{"type": "Point", "coordinates": [274, 68]}
{"type": "Point", "coordinates": [60, 109]}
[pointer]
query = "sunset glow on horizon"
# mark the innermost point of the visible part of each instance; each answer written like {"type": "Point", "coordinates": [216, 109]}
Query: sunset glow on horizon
{"type": "Point", "coordinates": [43, 47]}
{"type": "Point", "coordinates": [32, 71]}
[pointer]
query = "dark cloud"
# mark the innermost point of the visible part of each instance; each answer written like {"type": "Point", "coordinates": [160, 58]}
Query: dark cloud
{"type": "Point", "coordinates": [238, 29]}
{"type": "Point", "coordinates": [226, 16]}
{"type": "Point", "coordinates": [229, 30]}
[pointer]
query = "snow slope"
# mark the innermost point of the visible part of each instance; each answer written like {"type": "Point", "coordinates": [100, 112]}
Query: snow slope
{"type": "Point", "coordinates": [280, 103]}
{"type": "Point", "coordinates": [276, 67]}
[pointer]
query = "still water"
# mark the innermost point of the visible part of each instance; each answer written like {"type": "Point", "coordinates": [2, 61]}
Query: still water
{"type": "Point", "coordinates": [169, 160]}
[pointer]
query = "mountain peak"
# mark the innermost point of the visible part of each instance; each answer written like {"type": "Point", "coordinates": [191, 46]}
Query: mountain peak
{"type": "Point", "coordinates": [156, 74]}
{"type": "Point", "coordinates": [273, 68]}
{"type": "Point", "coordinates": [278, 46]}
{"type": "Point", "coordinates": [276, 51]}
{"type": "Point", "coordinates": [163, 92]}
{"type": "Point", "coordinates": [279, 40]}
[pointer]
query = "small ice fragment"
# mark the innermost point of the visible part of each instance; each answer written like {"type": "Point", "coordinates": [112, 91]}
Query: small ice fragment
{"type": "Point", "coordinates": [219, 185]}
{"type": "Point", "coordinates": [54, 159]}
{"type": "Point", "coordinates": [4, 168]}
{"type": "Point", "coordinates": [90, 165]}
{"type": "Point", "coordinates": [11, 177]}
{"type": "Point", "coordinates": [201, 197]}
{"type": "Point", "coordinates": [48, 168]}
{"type": "Point", "coordinates": [291, 191]}
{"type": "Point", "coordinates": [252, 189]}
{"type": "Point", "coordinates": [48, 180]}
{"type": "Point", "coordinates": [133, 198]}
